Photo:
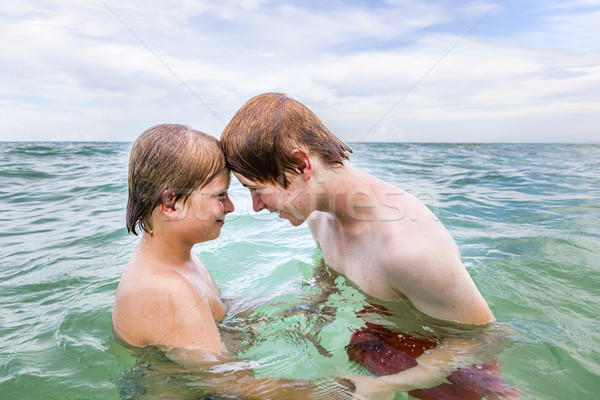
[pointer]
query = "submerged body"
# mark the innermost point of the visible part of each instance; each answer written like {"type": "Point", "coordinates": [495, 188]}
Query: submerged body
{"type": "Point", "coordinates": [383, 349]}
{"type": "Point", "coordinates": [382, 238]}
{"type": "Point", "coordinates": [178, 182]}
{"type": "Point", "coordinates": [157, 304]}
{"type": "Point", "coordinates": [178, 196]}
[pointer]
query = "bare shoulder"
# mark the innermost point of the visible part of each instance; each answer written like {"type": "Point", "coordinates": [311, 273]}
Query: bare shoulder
{"type": "Point", "coordinates": [160, 308]}
{"type": "Point", "coordinates": [153, 286]}
{"type": "Point", "coordinates": [171, 293]}
{"type": "Point", "coordinates": [144, 296]}
{"type": "Point", "coordinates": [422, 261]}
{"type": "Point", "coordinates": [415, 234]}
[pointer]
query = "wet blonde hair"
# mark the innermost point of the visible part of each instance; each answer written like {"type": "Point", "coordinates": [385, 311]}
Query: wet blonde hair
{"type": "Point", "coordinates": [259, 140]}
{"type": "Point", "coordinates": [168, 161]}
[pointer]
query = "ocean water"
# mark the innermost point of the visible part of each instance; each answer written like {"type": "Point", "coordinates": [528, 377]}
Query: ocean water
{"type": "Point", "coordinates": [526, 218]}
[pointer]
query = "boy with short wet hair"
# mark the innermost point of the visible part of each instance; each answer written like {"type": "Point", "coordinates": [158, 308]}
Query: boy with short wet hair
{"type": "Point", "coordinates": [305, 172]}
{"type": "Point", "coordinates": [382, 238]}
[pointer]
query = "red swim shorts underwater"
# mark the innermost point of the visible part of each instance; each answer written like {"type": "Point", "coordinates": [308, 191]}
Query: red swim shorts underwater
{"type": "Point", "coordinates": [384, 352]}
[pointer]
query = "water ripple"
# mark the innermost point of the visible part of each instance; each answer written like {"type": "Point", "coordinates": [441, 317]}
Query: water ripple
{"type": "Point", "coordinates": [526, 218]}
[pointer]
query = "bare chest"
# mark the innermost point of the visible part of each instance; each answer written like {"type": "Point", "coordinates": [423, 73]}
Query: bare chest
{"type": "Point", "coordinates": [207, 292]}
{"type": "Point", "coordinates": [360, 260]}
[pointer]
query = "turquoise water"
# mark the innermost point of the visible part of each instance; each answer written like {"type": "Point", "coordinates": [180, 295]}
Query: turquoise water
{"type": "Point", "coordinates": [526, 218]}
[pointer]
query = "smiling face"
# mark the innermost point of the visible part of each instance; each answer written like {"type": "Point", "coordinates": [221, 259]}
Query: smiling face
{"type": "Point", "coordinates": [206, 209]}
{"type": "Point", "coordinates": [292, 203]}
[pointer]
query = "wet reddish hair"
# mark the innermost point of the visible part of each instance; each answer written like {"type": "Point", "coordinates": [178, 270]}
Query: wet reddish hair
{"type": "Point", "coordinates": [259, 140]}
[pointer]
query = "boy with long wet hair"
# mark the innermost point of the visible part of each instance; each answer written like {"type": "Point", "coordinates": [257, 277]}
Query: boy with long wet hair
{"type": "Point", "coordinates": [178, 197]}
{"type": "Point", "coordinates": [178, 182]}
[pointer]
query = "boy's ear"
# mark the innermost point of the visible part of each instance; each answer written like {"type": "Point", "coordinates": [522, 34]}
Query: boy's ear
{"type": "Point", "coordinates": [304, 164]}
{"type": "Point", "coordinates": [168, 206]}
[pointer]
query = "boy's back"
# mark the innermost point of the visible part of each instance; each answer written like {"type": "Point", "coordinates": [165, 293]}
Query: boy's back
{"type": "Point", "coordinates": [396, 249]}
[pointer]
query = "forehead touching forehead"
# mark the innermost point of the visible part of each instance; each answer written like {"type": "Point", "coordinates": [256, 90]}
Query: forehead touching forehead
{"type": "Point", "coordinates": [246, 181]}
{"type": "Point", "coordinates": [259, 140]}
{"type": "Point", "coordinates": [223, 179]}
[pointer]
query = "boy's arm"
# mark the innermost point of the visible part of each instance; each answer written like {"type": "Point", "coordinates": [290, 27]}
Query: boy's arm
{"type": "Point", "coordinates": [237, 380]}
{"type": "Point", "coordinates": [185, 321]}
{"type": "Point", "coordinates": [432, 369]}
{"type": "Point", "coordinates": [442, 288]}
{"type": "Point", "coordinates": [191, 338]}
{"type": "Point", "coordinates": [436, 283]}
{"type": "Point", "coordinates": [191, 342]}
{"type": "Point", "coordinates": [454, 298]}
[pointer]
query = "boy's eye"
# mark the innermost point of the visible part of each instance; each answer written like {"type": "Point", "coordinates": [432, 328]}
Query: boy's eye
{"type": "Point", "coordinates": [257, 190]}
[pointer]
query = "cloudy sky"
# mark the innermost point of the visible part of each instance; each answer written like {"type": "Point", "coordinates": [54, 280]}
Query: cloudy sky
{"type": "Point", "coordinates": [396, 70]}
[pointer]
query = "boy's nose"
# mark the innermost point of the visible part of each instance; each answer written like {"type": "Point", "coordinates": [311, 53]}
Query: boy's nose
{"type": "Point", "coordinates": [229, 207]}
{"type": "Point", "coordinates": [257, 203]}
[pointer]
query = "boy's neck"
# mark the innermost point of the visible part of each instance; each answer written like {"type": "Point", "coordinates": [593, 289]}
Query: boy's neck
{"type": "Point", "coordinates": [163, 247]}
{"type": "Point", "coordinates": [349, 196]}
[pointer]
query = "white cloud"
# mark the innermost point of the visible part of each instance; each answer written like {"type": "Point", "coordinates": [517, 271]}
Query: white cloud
{"type": "Point", "coordinates": [577, 31]}
{"type": "Point", "coordinates": [70, 67]}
